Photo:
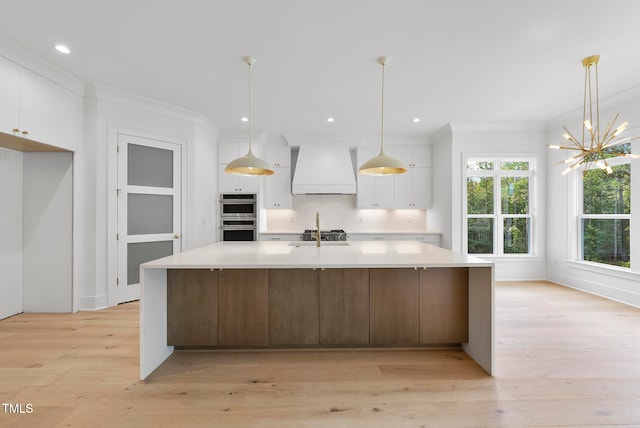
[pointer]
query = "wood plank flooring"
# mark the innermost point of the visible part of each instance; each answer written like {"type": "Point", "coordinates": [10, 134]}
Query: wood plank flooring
{"type": "Point", "coordinates": [564, 359]}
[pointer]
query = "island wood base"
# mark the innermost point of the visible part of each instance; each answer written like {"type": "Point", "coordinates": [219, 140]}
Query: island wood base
{"type": "Point", "coordinates": [306, 307]}
{"type": "Point", "coordinates": [358, 307]}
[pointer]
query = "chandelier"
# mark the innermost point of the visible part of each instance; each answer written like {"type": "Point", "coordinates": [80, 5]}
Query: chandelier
{"type": "Point", "coordinates": [595, 145]}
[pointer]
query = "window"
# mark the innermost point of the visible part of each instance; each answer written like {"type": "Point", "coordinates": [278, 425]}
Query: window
{"type": "Point", "coordinates": [605, 217]}
{"type": "Point", "coordinates": [498, 206]}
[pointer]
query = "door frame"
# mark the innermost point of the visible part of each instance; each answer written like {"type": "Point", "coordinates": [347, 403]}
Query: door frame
{"type": "Point", "coordinates": [112, 200]}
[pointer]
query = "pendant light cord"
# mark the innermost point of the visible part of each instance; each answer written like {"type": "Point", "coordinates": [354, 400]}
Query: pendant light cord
{"type": "Point", "coordinates": [382, 115]}
{"type": "Point", "coordinates": [250, 130]}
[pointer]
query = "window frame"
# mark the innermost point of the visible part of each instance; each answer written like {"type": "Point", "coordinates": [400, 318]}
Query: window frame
{"type": "Point", "coordinates": [580, 215]}
{"type": "Point", "coordinates": [498, 217]}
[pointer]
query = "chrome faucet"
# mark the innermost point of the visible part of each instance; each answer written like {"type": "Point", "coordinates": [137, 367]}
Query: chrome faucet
{"type": "Point", "coordinates": [316, 235]}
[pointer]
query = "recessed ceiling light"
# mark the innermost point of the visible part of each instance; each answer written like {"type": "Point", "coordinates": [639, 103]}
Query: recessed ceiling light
{"type": "Point", "coordinates": [244, 119]}
{"type": "Point", "coordinates": [330, 119]}
{"type": "Point", "coordinates": [416, 119]}
{"type": "Point", "coordinates": [63, 49]}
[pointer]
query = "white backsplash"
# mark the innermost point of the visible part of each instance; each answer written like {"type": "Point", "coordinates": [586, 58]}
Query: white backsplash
{"type": "Point", "coordinates": [339, 212]}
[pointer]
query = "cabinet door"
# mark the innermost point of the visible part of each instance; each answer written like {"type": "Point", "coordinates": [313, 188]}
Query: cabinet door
{"type": "Point", "coordinates": [293, 307]}
{"type": "Point", "coordinates": [444, 306]}
{"type": "Point", "coordinates": [344, 306]}
{"type": "Point", "coordinates": [278, 157]}
{"type": "Point", "coordinates": [413, 156]}
{"type": "Point", "coordinates": [230, 183]}
{"type": "Point", "coordinates": [9, 97]}
{"type": "Point", "coordinates": [375, 192]}
{"type": "Point", "coordinates": [421, 187]}
{"type": "Point", "coordinates": [48, 112]}
{"type": "Point", "coordinates": [192, 307]}
{"type": "Point", "coordinates": [243, 307]}
{"type": "Point", "coordinates": [277, 189]}
{"type": "Point", "coordinates": [413, 188]}
{"type": "Point", "coordinates": [394, 306]}
{"type": "Point", "coordinates": [230, 151]}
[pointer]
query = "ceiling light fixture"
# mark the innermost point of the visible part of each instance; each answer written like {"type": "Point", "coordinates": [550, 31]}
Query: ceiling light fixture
{"type": "Point", "coordinates": [382, 164]}
{"type": "Point", "coordinates": [330, 120]}
{"type": "Point", "coordinates": [249, 164]}
{"type": "Point", "coordinates": [63, 49]}
{"type": "Point", "coordinates": [595, 146]}
{"type": "Point", "coordinates": [416, 120]}
{"type": "Point", "coordinates": [244, 119]}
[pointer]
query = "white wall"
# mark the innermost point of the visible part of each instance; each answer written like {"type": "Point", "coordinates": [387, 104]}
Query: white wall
{"type": "Point", "coordinates": [440, 213]}
{"type": "Point", "coordinates": [108, 112]}
{"type": "Point", "coordinates": [562, 238]}
{"type": "Point", "coordinates": [47, 232]}
{"type": "Point", "coordinates": [528, 139]}
{"type": "Point", "coordinates": [11, 280]}
{"type": "Point", "coordinates": [203, 228]}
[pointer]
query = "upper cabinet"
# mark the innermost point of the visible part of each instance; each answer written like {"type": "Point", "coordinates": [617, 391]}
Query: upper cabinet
{"type": "Point", "coordinates": [230, 151]}
{"type": "Point", "coordinates": [409, 190]}
{"type": "Point", "coordinates": [278, 156]}
{"type": "Point", "coordinates": [277, 187]}
{"type": "Point", "coordinates": [37, 109]}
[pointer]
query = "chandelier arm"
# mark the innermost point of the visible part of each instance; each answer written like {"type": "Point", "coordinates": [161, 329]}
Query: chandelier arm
{"type": "Point", "coordinates": [610, 126]}
{"type": "Point", "coordinates": [587, 87]}
{"type": "Point", "coordinates": [571, 138]}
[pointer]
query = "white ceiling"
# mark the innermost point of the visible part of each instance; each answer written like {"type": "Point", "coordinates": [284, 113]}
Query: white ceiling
{"type": "Point", "coordinates": [450, 60]}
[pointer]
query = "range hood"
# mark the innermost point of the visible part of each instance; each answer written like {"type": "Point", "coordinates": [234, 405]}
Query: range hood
{"type": "Point", "coordinates": [324, 169]}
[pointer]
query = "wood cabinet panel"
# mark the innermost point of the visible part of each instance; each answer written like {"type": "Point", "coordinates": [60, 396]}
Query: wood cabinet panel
{"type": "Point", "coordinates": [394, 295]}
{"type": "Point", "coordinates": [243, 307]}
{"type": "Point", "coordinates": [344, 306]}
{"type": "Point", "coordinates": [192, 307]}
{"type": "Point", "coordinates": [444, 305]}
{"type": "Point", "coordinates": [293, 307]}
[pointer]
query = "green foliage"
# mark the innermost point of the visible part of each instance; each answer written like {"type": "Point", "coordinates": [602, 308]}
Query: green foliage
{"type": "Point", "coordinates": [480, 195]}
{"type": "Point", "coordinates": [607, 240]}
{"type": "Point", "coordinates": [480, 236]}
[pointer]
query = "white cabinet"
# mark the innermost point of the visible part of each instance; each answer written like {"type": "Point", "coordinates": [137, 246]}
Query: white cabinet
{"type": "Point", "coordinates": [278, 156]}
{"type": "Point", "coordinates": [277, 187]}
{"type": "Point", "coordinates": [231, 151]}
{"type": "Point", "coordinates": [35, 108]}
{"type": "Point", "coordinates": [409, 190]}
{"type": "Point", "coordinates": [373, 191]}
{"type": "Point", "coordinates": [9, 98]}
{"type": "Point", "coordinates": [413, 188]}
{"type": "Point", "coordinates": [230, 183]}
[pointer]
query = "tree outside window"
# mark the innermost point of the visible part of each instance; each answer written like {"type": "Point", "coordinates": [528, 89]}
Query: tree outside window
{"type": "Point", "coordinates": [498, 197]}
{"type": "Point", "coordinates": [606, 215]}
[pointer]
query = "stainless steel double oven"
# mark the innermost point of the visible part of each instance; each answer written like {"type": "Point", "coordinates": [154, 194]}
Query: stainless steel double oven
{"type": "Point", "coordinates": [238, 217]}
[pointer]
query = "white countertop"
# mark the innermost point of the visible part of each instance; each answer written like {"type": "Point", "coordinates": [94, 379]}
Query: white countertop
{"type": "Point", "coordinates": [357, 254]}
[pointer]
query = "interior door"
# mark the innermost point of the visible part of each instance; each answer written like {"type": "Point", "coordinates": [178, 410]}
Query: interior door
{"type": "Point", "coordinates": [149, 207]}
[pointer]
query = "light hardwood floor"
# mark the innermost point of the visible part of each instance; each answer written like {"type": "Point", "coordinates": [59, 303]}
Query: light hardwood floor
{"type": "Point", "coordinates": [564, 358]}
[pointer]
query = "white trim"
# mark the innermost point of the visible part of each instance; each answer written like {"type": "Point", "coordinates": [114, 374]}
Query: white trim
{"type": "Point", "coordinates": [112, 202]}
{"type": "Point", "coordinates": [604, 269]}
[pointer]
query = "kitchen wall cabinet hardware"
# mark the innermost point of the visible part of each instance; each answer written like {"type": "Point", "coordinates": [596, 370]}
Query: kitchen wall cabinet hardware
{"type": "Point", "coordinates": [230, 183]}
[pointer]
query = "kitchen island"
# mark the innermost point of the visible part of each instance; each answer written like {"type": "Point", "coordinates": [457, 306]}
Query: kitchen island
{"type": "Point", "coordinates": [294, 294]}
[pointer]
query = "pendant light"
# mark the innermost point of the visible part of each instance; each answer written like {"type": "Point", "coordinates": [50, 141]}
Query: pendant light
{"type": "Point", "coordinates": [382, 164]}
{"type": "Point", "coordinates": [249, 164]}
